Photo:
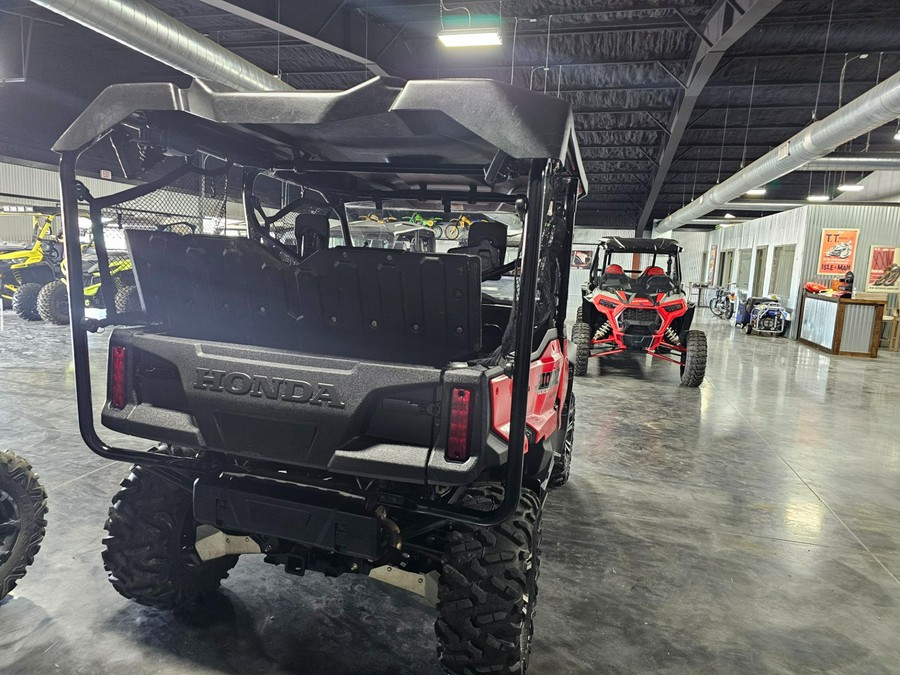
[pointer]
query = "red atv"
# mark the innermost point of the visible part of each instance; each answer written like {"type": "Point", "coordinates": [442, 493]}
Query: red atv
{"type": "Point", "coordinates": [643, 309]}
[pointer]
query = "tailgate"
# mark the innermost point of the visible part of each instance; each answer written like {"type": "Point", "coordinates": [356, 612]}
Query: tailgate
{"type": "Point", "coordinates": [360, 417]}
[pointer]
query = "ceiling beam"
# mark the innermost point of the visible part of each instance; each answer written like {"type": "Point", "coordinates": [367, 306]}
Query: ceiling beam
{"type": "Point", "coordinates": [723, 27]}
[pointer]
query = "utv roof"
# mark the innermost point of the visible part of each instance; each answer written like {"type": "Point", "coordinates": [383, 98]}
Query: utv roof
{"type": "Point", "coordinates": [396, 131]}
{"type": "Point", "coordinates": [637, 245]}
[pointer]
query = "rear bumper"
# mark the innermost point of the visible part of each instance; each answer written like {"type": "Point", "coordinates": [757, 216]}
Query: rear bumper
{"type": "Point", "coordinates": [376, 420]}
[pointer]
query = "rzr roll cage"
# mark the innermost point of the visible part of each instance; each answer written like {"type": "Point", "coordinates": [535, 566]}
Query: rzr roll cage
{"type": "Point", "coordinates": [230, 126]}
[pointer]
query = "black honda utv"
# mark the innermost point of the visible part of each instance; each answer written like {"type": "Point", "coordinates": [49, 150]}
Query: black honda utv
{"type": "Point", "coordinates": [335, 408]}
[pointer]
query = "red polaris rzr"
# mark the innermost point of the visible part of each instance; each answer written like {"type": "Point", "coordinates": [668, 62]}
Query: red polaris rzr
{"type": "Point", "coordinates": [643, 309]}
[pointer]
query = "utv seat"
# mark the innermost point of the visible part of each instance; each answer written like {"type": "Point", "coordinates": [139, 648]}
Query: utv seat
{"type": "Point", "coordinates": [487, 240]}
{"type": "Point", "coordinates": [655, 280]}
{"type": "Point", "coordinates": [614, 279]}
{"type": "Point", "coordinates": [363, 303]}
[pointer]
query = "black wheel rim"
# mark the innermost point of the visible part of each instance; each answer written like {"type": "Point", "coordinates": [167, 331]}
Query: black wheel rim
{"type": "Point", "coordinates": [61, 305]}
{"type": "Point", "coordinates": [10, 525]}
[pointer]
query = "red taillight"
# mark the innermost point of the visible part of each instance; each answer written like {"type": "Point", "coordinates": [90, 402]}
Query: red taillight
{"type": "Point", "coordinates": [458, 436]}
{"type": "Point", "coordinates": [119, 394]}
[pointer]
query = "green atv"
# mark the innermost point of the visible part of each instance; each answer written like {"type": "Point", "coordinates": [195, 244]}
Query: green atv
{"type": "Point", "coordinates": [53, 298]}
{"type": "Point", "coordinates": [24, 272]}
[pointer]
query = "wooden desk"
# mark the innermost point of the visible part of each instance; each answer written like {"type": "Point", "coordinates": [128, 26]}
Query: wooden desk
{"type": "Point", "coordinates": [841, 326]}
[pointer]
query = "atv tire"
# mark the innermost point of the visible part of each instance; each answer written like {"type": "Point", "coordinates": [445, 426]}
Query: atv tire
{"type": "Point", "coordinates": [24, 301]}
{"type": "Point", "coordinates": [693, 359]}
{"type": "Point", "coordinates": [488, 588]}
{"type": "Point", "coordinates": [53, 303]}
{"type": "Point", "coordinates": [150, 556]}
{"type": "Point", "coordinates": [23, 510]}
{"type": "Point", "coordinates": [581, 337]}
{"type": "Point", "coordinates": [562, 462]}
{"type": "Point", "coordinates": [127, 300]}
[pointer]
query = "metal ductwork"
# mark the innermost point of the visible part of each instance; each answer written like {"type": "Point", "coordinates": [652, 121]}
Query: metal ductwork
{"type": "Point", "coordinates": [138, 25]}
{"type": "Point", "coordinates": [786, 205]}
{"type": "Point", "coordinates": [861, 163]}
{"type": "Point", "coordinates": [877, 107]}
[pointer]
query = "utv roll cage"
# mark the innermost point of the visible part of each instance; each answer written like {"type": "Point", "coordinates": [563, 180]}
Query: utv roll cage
{"type": "Point", "coordinates": [448, 141]}
{"type": "Point", "coordinates": [654, 248]}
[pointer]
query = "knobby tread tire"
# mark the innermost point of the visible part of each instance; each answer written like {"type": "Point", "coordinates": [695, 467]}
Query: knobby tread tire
{"type": "Point", "coordinates": [21, 484]}
{"type": "Point", "coordinates": [48, 303]}
{"type": "Point", "coordinates": [128, 300]}
{"type": "Point", "coordinates": [488, 589]}
{"type": "Point", "coordinates": [149, 555]}
{"type": "Point", "coordinates": [693, 362]}
{"type": "Point", "coordinates": [24, 301]}
{"type": "Point", "coordinates": [581, 336]}
{"type": "Point", "coordinates": [562, 463]}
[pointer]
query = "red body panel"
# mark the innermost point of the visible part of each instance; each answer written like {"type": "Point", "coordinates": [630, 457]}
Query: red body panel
{"type": "Point", "coordinates": [548, 385]}
{"type": "Point", "coordinates": [620, 299]}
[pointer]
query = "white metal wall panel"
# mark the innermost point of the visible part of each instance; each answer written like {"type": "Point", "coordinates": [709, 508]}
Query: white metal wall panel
{"type": "Point", "coordinates": [778, 229]}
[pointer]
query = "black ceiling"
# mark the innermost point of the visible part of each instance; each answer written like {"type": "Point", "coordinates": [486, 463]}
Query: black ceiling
{"type": "Point", "coordinates": [621, 64]}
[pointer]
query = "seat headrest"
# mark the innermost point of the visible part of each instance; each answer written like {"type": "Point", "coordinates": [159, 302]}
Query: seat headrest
{"type": "Point", "coordinates": [614, 269]}
{"type": "Point", "coordinates": [311, 231]}
{"type": "Point", "coordinates": [654, 271]}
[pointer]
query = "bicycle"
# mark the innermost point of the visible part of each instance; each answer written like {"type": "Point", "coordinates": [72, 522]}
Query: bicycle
{"type": "Point", "coordinates": [722, 302]}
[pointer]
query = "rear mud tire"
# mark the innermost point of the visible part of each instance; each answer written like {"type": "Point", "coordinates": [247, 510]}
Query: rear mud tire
{"type": "Point", "coordinates": [23, 511]}
{"type": "Point", "coordinates": [693, 360]}
{"type": "Point", "coordinates": [149, 554]}
{"type": "Point", "coordinates": [489, 588]}
{"type": "Point", "coordinates": [562, 462]}
{"type": "Point", "coordinates": [24, 302]}
{"type": "Point", "coordinates": [127, 300]}
{"type": "Point", "coordinates": [581, 338]}
{"type": "Point", "coordinates": [53, 303]}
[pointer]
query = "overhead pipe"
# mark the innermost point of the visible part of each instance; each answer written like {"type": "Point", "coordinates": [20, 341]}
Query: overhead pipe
{"type": "Point", "coordinates": [861, 163]}
{"type": "Point", "coordinates": [786, 205]}
{"type": "Point", "coordinates": [144, 28]}
{"type": "Point", "coordinates": [877, 107]}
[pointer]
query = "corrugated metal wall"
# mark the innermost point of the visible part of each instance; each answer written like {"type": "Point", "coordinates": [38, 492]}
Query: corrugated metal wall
{"type": "Point", "coordinates": [878, 225]}
{"type": "Point", "coordinates": [778, 229]}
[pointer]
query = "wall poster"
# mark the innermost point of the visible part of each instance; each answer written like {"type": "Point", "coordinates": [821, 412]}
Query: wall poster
{"type": "Point", "coordinates": [711, 271]}
{"type": "Point", "coordinates": [582, 258]}
{"type": "Point", "coordinates": [838, 251]}
{"type": "Point", "coordinates": [883, 275]}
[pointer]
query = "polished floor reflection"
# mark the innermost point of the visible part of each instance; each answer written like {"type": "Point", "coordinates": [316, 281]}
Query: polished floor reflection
{"type": "Point", "coordinates": [750, 526]}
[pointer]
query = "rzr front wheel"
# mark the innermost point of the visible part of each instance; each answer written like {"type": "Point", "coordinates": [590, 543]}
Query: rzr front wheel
{"type": "Point", "coordinates": [23, 510]}
{"type": "Point", "coordinates": [581, 337]}
{"type": "Point", "coordinates": [693, 359]}
{"type": "Point", "coordinates": [562, 461]}
{"type": "Point", "coordinates": [150, 556]}
{"type": "Point", "coordinates": [489, 588]}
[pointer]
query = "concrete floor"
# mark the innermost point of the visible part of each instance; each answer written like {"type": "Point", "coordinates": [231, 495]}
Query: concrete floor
{"type": "Point", "coordinates": [752, 525]}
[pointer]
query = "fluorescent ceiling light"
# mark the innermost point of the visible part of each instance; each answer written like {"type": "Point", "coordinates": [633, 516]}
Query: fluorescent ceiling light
{"type": "Point", "coordinates": [897, 135]}
{"type": "Point", "coordinates": [851, 187]}
{"type": "Point", "coordinates": [470, 38]}
{"type": "Point", "coordinates": [729, 215]}
{"type": "Point", "coordinates": [818, 198]}
{"type": "Point", "coordinates": [757, 192]}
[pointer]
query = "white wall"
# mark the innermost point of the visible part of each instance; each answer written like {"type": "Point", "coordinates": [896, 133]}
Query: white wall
{"type": "Point", "coordinates": [778, 229]}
